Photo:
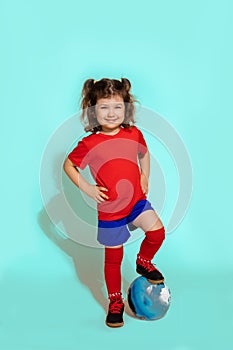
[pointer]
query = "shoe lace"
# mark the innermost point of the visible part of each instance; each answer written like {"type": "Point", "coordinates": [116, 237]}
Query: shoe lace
{"type": "Point", "coordinates": [115, 305]}
{"type": "Point", "coordinates": [147, 264]}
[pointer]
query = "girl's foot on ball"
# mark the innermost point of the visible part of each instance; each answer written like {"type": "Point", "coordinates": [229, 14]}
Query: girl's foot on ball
{"type": "Point", "coordinates": [148, 270]}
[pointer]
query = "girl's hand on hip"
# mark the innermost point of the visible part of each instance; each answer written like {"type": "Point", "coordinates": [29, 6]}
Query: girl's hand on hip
{"type": "Point", "coordinates": [144, 183]}
{"type": "Point", "coordinates": [96, 192]}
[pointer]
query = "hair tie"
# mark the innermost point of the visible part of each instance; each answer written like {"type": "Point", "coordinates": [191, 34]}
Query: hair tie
{"type": "Point", "coordinates": [120, 80]}
{"type": "Point", "coordinates": [95, 81]}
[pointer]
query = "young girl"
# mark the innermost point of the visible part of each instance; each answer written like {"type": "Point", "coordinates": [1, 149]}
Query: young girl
{"type": "Point", "coordinates": [119, 161]}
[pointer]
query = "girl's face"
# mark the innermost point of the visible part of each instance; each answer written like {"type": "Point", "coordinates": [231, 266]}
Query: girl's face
{"type": "Point", "coordinates": [110, 113]}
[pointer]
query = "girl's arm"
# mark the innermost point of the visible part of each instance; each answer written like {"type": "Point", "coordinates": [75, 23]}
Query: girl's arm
{"type": "Point", "coordinates": [144, 162]}
{"type": "Point", "coordinates": [92, 191]}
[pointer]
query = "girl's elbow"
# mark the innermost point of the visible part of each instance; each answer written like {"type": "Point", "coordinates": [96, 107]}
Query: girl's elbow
{"type": "Point", "coordinates": [66, 164]}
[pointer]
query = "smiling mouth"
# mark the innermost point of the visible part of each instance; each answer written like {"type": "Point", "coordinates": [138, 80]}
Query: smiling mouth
{"type": "Point", "coordinates": [111, 120]}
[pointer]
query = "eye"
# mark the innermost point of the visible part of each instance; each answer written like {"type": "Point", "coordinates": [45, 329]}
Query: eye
{"type": "Point", "coordinates": [103, 107]}
{"type": "Point", "coordinates": [119, 107]}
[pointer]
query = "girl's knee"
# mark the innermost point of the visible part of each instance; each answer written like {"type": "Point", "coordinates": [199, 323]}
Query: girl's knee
{"type": "Point", "coordinates": [156, 235]}
{"type": "Point", "coordinates": [114, 255]}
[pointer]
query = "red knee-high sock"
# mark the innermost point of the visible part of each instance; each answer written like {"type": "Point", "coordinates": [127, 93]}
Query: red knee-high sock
{"type": "Point", "coordinates": [151, 243]}
{"type": "Point", "coordinates": [112, 269]}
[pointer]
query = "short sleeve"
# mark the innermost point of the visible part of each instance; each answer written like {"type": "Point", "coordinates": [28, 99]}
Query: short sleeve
{"type": "Point", "coordinates": [79, 155]}
{"type": "Point", "coordinates": [142, 146]}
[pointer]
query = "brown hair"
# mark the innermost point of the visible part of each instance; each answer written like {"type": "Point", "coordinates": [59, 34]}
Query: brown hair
{"type": "Point", "coordinates": [104, 88]}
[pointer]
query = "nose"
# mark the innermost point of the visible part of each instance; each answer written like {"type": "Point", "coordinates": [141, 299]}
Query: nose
{"type": "Point", "coordinates": [111, 112]}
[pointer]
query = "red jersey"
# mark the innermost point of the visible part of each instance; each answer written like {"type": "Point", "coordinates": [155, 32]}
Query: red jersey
{"type": "Point", "coordinates": [113, 162]}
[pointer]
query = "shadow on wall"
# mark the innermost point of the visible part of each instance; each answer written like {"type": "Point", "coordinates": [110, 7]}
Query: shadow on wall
{"type": "Point", "coordinates": [88, 261]}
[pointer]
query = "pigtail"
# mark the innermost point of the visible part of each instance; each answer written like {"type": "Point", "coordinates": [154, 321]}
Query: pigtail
{"type": "Point", "coordinates": [126, 85]}
{"type": "Point", "coordinates": [129, 102]}
{"type": "Point", "coordinates": [87, 87]}
{"type": "Point", "coordinates": [87, 116]}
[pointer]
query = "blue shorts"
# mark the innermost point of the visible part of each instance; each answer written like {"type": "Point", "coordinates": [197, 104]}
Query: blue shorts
{"type": "Point", "coordinates": [116, 232]}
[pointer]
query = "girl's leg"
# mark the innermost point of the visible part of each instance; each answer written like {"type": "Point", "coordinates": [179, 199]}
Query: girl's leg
{"type": "Point", "coordinates": [150, 223]}
{"type": "Point", "coordinates": [112, 272]}
{"type": "Point", "coordinates": [112, 269]}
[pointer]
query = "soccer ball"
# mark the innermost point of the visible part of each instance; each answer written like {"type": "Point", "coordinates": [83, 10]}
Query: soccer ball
{"type": "Point", "coordinates": [148, 301]}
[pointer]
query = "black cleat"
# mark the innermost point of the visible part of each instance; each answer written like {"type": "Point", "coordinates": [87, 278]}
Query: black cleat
{"type": "Point", "coordinates": [115, 311]}
{"type": "Point", "coordinates": [148, 270]}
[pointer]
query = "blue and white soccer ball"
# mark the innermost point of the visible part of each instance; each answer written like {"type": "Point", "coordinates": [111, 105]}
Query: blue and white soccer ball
{"type": "Point", "coordinates": [148, 301]}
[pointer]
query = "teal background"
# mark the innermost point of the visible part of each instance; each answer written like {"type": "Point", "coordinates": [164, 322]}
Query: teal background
{"type": "Point", "coordinates": [178, 56]}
